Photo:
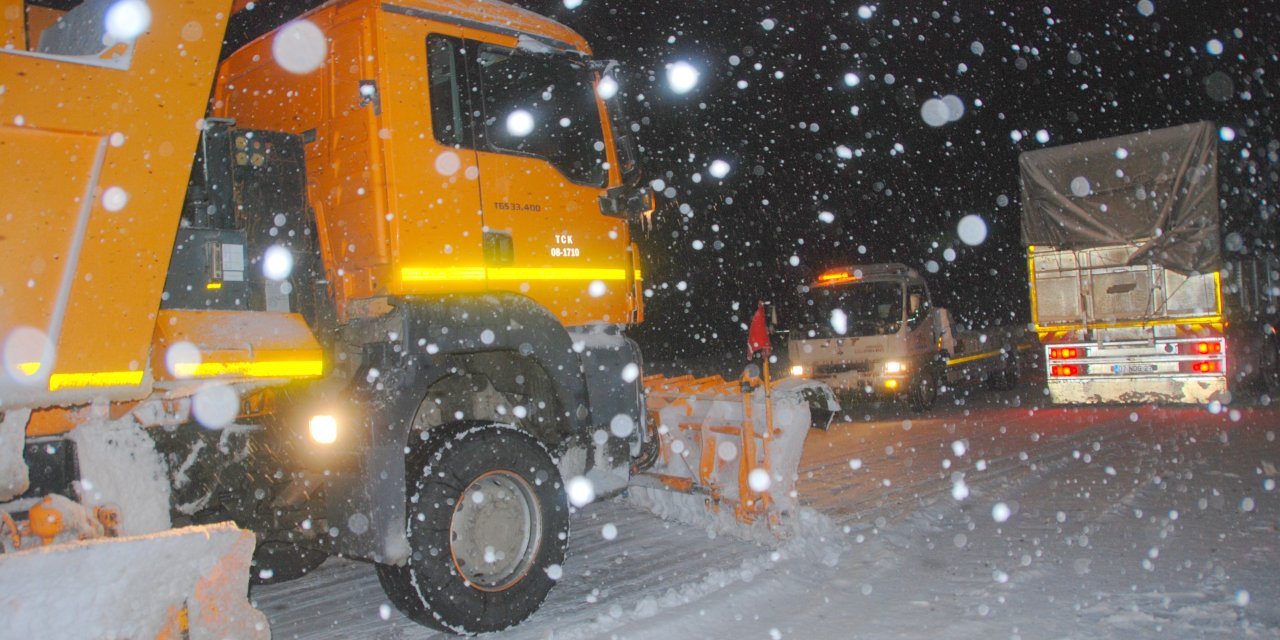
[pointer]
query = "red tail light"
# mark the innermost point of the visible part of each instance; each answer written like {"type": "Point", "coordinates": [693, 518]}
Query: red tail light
{"type": "Point", "coordinates": [1065, 370]}
{"type": "Point", "coordinates": [1208, 347]}
{"type": "Point", "coordinates": [1212, 366]}
{"type": "Point", "coordinates": [1064, 353]}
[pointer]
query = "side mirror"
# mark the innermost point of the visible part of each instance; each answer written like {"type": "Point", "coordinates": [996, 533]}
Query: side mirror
{"type": "Point", "coordinates": [633, 203]}
{"type": "Point", "coordinates": [918, 314]}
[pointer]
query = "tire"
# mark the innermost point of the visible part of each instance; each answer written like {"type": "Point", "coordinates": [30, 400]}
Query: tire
{"type": "Point", "coordinates": [488, 518]}
{"type": "Point", "coordinates": [275, 561]}
{"type": "Point", "coordinates": [924, 390]}
{"type": "Point", "coordinates": [1007, 378]}
{"type": "Point", "coordinates": [1268, 380]}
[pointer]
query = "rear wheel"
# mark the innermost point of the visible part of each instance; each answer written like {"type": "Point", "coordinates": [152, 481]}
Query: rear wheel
{"type": "Point", "coordinates": [1269, 365]}
{"type": "Point", "coordinates": [487, 519]}
{"type": "Point", "coordinates": [1007, 377]}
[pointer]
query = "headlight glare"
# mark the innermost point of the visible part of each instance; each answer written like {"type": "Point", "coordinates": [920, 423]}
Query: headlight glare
{"type": "Point", "coordinates": [324, 429]}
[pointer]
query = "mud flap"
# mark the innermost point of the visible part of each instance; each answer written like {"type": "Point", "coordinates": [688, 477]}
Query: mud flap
{"type": "Point", "coordinates": [182, 583]}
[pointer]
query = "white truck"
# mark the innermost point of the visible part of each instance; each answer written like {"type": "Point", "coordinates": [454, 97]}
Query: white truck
{"type": "Point", "coordinates": [873, 329]}
{"type": "Point", "coordinates": [1130, 293]}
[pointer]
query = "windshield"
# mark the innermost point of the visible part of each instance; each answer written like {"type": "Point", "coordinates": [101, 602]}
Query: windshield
{"type": "Point", "coordinates": [859, 309]}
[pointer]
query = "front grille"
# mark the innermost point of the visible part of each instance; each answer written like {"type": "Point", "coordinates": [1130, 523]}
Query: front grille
{"type": "Point", "coordinates": [842, 367]}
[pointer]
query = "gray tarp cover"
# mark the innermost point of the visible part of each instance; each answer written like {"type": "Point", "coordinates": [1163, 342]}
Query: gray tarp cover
{"type": "Point", "coordinates": [1157, 189]}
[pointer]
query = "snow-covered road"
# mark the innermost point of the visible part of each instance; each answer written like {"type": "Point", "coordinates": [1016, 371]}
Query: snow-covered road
{"type": "Point", "coordinates": [984, 520]}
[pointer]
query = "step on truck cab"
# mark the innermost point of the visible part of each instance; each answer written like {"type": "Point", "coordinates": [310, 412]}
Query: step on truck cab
{"type": "Point", "coordinates": [873, 330]}
{"type": "Point", "coordinates": [369, 299]}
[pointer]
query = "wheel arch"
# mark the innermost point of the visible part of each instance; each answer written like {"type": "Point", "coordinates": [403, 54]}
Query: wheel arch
{"type": "Point", "coordinates": [438, 340]}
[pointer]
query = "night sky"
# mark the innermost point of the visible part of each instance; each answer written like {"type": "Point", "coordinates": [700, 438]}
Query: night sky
{"type": "Point", "coordinates": [898, 187]}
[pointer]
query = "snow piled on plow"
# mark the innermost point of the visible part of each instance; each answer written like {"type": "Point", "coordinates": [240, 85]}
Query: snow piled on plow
{"type": "Point", "coordinates": [700, 443]}
{"type": "Point", "coordinates": [120, 468]}
{"type": "Point", "coordinates": [134, 587]}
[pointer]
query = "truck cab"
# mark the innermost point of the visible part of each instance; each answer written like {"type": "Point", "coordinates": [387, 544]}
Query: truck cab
{"type": "Point", "coordinates": [874, 330]}
{"type": "Point", "coordinates": [869, 329]}
{"type": "Point", "coordinates": [393, 240]}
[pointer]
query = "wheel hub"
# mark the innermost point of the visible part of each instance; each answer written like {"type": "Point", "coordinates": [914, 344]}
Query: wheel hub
{"type": "Point", "coordinates": [495, 531]}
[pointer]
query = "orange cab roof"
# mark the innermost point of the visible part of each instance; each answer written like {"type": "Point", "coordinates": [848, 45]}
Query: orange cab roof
{"type": "Point", "coordinates": [480, 14]}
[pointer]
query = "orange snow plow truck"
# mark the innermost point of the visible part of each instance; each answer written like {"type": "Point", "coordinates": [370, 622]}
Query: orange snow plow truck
{"type": "Point", "coordinates": [359, 285]}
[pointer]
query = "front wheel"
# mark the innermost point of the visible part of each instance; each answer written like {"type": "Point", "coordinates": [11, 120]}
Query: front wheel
{"type": "Point", "coordinates": [924, 390]}
{"type": "Point", "coordinates": [488, 519]}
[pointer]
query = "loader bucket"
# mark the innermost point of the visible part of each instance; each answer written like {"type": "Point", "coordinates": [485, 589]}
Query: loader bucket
{"type": "Point", "coordinates": [181, 583]}
{"type": "Point", "coordinates": [729, 450]}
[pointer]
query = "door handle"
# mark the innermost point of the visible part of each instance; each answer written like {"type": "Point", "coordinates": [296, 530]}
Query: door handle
{"type": "Point", "coordinates": [499, 248]}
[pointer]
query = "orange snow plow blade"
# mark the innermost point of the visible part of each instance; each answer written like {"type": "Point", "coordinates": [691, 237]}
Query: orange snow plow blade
{"type": "Point", "coordinates": [181, 583]}
{"type": "Point", "coordinates": [731, 446]}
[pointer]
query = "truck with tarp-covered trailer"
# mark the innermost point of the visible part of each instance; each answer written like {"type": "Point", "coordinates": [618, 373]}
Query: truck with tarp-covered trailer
{"type": "Point", "coordinates": [1131, 293]}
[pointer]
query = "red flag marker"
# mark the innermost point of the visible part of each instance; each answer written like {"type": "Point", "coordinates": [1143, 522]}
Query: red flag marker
{"type": "Point", "coordinates": [758, 335]}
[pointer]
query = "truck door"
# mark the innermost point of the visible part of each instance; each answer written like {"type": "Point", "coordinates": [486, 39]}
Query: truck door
{"type": "Point", "coordinates": [921, 339]}
{"type": "Point", "coordinates": [945, 330]}
{"type": "Point", "coordinates": [543, 161]}
{"type": "Point", "coordinates": [433, 192]}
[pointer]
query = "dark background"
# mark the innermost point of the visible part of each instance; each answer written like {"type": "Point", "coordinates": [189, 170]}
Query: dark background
{"type": "Point", "coordinates": [1080, 70]}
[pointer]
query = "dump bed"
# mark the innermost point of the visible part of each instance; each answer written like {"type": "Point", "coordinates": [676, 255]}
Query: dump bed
{"type": "Point", "coordinates": [92, 191]}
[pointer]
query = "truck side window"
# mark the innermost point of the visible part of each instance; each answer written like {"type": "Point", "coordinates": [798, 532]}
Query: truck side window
{"type": "Point", "coordinates": [78, 33]}
{"type": "Point", "coordinates": [447, 109]}
{"type": "Point", "coordinates": [917, 305]}
{"type": "Point", "coordinates": [544, 106]}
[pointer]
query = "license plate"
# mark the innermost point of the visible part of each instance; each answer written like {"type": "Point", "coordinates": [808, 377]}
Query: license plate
{"type": "Point", "coordinates": [1133, 368]}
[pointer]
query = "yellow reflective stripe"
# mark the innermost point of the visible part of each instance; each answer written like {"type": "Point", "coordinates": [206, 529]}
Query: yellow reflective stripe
{"type": "Point", "coordinates": [639, 276]}
{"type": "Point", "coordinates": [266, 369]}
{"type": "Point", "coordinates": [1217, 289]}
{"type": "Point", "coordinates": [556, 273]}
{"type": "Point", "coordinates": [1031, 281]}
{"type": "Point", "coordinates": [96, 379]}
{"type": "Point", "coordinates": [976, 356]}
{"type": "Point", "coordinates": [1125, 325]}
{"type": "Point", "coordinates": [28, 368]}
{"type": "Point", "coordinates": [447, 274]}
{"type": "Point", "coordinates": [437, 274]}
{"type": "Point", "coordinates": [213, 285]}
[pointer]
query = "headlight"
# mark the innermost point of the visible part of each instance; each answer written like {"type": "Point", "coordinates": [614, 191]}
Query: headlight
{"type": "Point", "coordinates": [797, 370]}
{"type": "Point", "coordinates": [893, 366]}
{"type": "Point", "coordinates": [324, 429]}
